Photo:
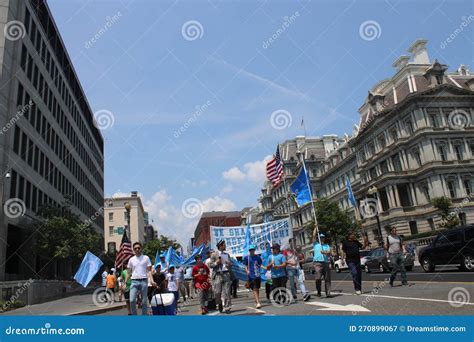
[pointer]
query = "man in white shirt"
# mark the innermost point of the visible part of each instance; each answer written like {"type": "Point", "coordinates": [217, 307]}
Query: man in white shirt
{"type": "Point", "coordinates": [221, 278]}
{"type": "Point", "coordinates": [139, 267]}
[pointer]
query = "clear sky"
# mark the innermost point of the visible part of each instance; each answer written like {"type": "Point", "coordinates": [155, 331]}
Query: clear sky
{"type": "Point", "coordinates": [191, 85]}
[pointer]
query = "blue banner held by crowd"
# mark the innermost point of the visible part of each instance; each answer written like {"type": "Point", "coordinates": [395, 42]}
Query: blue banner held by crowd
{"type": "Point", "coordinates": [90, 265]}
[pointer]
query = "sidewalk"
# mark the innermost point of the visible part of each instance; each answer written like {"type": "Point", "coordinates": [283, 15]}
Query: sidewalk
{"type": "Point", "coordinates": [69, 306]}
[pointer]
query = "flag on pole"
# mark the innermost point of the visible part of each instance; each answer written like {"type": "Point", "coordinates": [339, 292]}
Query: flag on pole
{"type": "Point", "coordinates": [90, 265]}
{"type": "Point", "coordinates": [125, 252]}
{"type": "Point", "coordinates": [350, 194]}
{"type": "Point", "coordinates": [275, 169]}
{"type": "Point", "coordinates": [301, 188]}
{"type": "Point", "coordinates": [247, 241]}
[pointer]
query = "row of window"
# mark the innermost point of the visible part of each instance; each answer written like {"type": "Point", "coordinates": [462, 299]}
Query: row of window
{"type": "Point", "coordinates": [435, 118]}
{"type": "Point", "coordinates": [38, 121]}
{"type": "Point", "coordinates": [50, 65]}
{"type": "Point", "coordinates": [54, 107]}
{"type": "Point", "coordinates": [32, 196]}
{"type": "Point", "coordinates": [24, 147]}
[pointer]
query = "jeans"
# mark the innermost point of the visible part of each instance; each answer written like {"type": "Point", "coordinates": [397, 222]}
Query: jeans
{"type": "Point", "coordinates": [295, 275]}
{"type": "Point", "coordinates": [397, 260]}
{"type": "Point", "coordinates": [139, 285]}
{"type": "Point", "coordinates": [175, 301]}
{"type": "Point", "coordinates": [356, 273]}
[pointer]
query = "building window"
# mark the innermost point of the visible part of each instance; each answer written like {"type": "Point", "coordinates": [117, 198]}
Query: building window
{"type": "Point", "coordinates": [404, 195]}
{"type": "Point", "coordinates": [397, 164]}
{"type": "Point", "coordinates": [381, 140]}
{"type": "Point", "coordinates": [373, 173]}
{"type": "Point", "coordinates": [451, 188]}
{"type": "Point", "coordinates": [468, 186]}
{"type": "Point", "coordinates": [111, 217]}
{"type": "Point", "coordinates": [111, 247]}
{"type": "Point", "coordinates": [458, 151]}
{"type": "Point", "coordinates": [371, 148]}
{"type": "Point", "coordinates": [413, 228]}
{"type": "Point", "coordinates": [393, 133]}
{"type": "Point", "coordinates": [416, 156]}
{"type": "Point", "coordinates": [409, 127]}
{"type": "Point", "coordinates": [384, 199]}
{"type": "Point", "coordinates": [384, 167]}
{"type": "Point", "coordinates": [442, 151]}
{"type": "Point", "coordinates": [462, 219]}
{"type": "Point", "coordinates": [426, 191]}
{"type": "Point", "coordinates": [111, 230]}
{"type": "Point", "coordinates": [431, 224]}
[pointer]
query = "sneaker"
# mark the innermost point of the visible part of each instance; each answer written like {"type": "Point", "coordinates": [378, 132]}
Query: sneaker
{"type": "Point", "coordinates": [358, 292]}
{"type": "Point", "coordinates": [405, 284]}
{"type": "Point", "coordinates": [227, 311]}
{"type": "Point", "coordinates": [318, 294]}
{"type": "Point", "coordinates": [258, 306]}
{"type": "Point", "coordinates": [328, 295]}
{"type": "Point", "coordinates": [306, 297]}
{"type": "Point", "coordinates": [221, 309]}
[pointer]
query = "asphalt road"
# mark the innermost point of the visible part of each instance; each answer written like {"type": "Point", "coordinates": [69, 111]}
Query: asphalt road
{"type": "Point", "coordinates": [441, 293]}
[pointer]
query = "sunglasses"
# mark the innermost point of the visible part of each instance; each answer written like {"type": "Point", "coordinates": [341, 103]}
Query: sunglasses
{"type": "Point", "coordinates": [137, 248]}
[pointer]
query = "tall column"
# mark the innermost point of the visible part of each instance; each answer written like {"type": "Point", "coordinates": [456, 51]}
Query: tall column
{"type": "Point", "coordinates": [413, 195]}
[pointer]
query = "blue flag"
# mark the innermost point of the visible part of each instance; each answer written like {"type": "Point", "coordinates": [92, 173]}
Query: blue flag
{"type": "Point", "coordinates": [157, 259]}
{"type": "Point", "coordinates": [238, 270]}
{"type": "Point", "coordinates": [350, 194]}
{"type": "Point", "coordinates": [90, 265]}
{"type": "Point", "coordinates": [197, 250]}
{"type": "Point", "coordinates": [301, 189]}
{"type": "Point", "coordinates": [172, 258]}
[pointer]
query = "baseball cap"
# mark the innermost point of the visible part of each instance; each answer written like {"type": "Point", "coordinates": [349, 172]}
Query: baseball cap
{"type": "Point", "coordinates": [252, 247]}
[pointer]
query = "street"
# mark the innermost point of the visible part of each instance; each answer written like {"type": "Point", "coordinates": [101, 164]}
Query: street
{"type": "Point", "coordinates": [428, 294]}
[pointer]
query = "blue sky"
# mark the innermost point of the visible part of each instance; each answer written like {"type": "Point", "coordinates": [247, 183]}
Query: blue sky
{"type": "Point", "coordinates": [192, 113]}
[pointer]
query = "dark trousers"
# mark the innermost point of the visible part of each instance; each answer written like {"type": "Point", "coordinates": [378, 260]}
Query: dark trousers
{"type": "Point", "coordinates": [356, 273]}
{"type": "Point", "coordinates": [234, 287]}
{"type": "Point", "coordinates": [268, 289]}
{"type": "Point", "coordinates": [279, 282]}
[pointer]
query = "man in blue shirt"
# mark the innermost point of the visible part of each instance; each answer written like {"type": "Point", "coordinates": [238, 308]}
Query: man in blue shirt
{"type": "Point", "coordinates": [277, 266]}
{"type": "Point", "coordinates": [252, 264]}
{"type": "Point", "coordinates": [321, 264]}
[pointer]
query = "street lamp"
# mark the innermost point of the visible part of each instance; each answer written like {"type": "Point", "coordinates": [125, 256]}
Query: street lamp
{"type": "Point", "coordinates": [373, 191]}
{"type": "Point", "coordinates": [128, 208]}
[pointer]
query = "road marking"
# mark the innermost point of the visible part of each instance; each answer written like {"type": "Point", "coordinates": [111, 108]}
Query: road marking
{"type": "Point", "coordinates": [415, 282]}
{"type": "Point", "coordinates": [256, 310]}
{"type": "Point", "coordinates": [408, 298]}
{"type": "Point", "coordinates": [338, 307]}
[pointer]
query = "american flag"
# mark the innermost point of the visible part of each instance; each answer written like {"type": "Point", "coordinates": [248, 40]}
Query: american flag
{"type": "Point", "coordinates": [125, 252]}
{"type": "Point", "coordinates": [275, 169]}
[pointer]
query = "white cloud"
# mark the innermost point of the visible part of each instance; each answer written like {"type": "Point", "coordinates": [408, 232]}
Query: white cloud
{"type": "Point", "coordinates": [169, 220]}
{"type": "Point", "coordinates": [226, 189]}
{"type": "Point", "coordinates": [251, 171]}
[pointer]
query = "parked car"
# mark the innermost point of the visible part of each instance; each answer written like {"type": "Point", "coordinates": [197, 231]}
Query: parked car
{"type": "Point", "coordinates": [308, 265]}
{"type": "Point", "coordinates": [377, 260]}
{"type": "Point", "coordinates": [341, 264]}
{"type": "Point", "coordinates": [455, 246]}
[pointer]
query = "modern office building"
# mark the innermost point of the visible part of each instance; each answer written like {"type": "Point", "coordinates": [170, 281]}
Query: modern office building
{"type": "Point", "coordinates": [51, 152]}
{"type": "Point", "coordinates": [116, 221]}
{"type": "Point", "coordinates": [414, 141]}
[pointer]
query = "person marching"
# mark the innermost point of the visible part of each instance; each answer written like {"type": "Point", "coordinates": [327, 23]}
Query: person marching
{"type": "Point", "coordinates": [395, 247]}
{"type": "Point", "coordinates": [351, 253]}
{"type": "Point", "coordinates": [253, 263]}
{"type": "Point", "coordinates": [173, 285]}
{"type": "Point", "coordinates": [126, 287]}
{"type": "Point", "coordinates": [294, 272]}
{"type": "Point", "coordinates": [110, 282]}
{"type": "Point", "coordinates": [200, 274]}
{"type": "Point", "coordinates": [321, 252]}
{"type": "Point", "coordinates": [163, 263]}
{"type": "Point", "coordinates": [139, 269]}
{"type": "Point", "coordinates": [277, 266]}
{"type": "Point", "coordinates": [220, 264]}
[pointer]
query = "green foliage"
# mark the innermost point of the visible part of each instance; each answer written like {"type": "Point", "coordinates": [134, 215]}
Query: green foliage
{"type": "Point", "coordinates": [332, 220]}
{"type": "Point", "coordinates": [449, 217]}
{"type": "Point", "coordinates": [161, 244]}
{"type": "Point", "coordinates": [63, 235]}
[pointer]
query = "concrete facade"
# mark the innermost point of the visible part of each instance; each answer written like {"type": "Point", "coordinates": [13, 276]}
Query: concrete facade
{"type": "Point", "coordinates": [49, 145]}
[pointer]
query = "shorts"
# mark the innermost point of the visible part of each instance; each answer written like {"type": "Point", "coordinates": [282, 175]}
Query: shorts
{"type": "Point", "coordinates": [126, 295]}
{"type": "Point", "coordinates": [254, 284]}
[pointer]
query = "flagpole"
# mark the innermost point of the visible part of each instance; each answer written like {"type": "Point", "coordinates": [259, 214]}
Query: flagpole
{"type": "Point", "coordinates": [312, 203]}
{"type": "Point", "coordinates": [286, 189]}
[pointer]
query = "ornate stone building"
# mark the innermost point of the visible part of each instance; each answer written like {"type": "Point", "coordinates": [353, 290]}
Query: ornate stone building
{"type": "Point", "coordinates": [414, 141]}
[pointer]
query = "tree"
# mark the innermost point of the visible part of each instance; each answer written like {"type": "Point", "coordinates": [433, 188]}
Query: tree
{"type": "Point", "coordinates": [161, 244]}
{"type": "Point", "coordinates": [449, 218]}
{"type": "Point", "coordinates": [60, 234]}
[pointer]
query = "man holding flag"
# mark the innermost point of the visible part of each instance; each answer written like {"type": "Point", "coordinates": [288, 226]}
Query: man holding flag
{"type": "Point", "coordinates": [253, 263]}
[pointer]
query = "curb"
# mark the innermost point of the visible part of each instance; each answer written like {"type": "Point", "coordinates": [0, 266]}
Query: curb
{"type": "Point", "coordinates": [97, 311]}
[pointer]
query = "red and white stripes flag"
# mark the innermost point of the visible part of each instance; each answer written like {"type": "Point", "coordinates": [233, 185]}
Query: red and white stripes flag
{"type": "Point", "coordinates": [275, 169]}
{"type": "Point", "coordinates": [125, 252]}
